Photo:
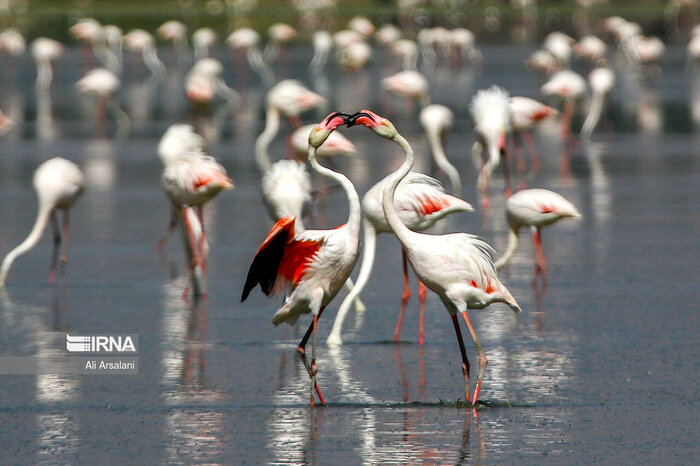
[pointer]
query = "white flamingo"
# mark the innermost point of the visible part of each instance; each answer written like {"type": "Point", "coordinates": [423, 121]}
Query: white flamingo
{"type": "Point", "coordinates": [420, 201]}
{"type": "Point", "coordinates": [458, 267]}
{"type": "Point", "coordinates": [534, 208]}
{"type": "Point", "coordinates": [314, 263]}
{"type": "Point", "coordinates": [58, 184]}
{"type": "Point", "coordinates": [436, 121]}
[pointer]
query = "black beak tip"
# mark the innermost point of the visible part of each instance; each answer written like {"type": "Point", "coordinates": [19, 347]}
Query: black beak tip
{"type": "Point", "coordinates": [351, 120]}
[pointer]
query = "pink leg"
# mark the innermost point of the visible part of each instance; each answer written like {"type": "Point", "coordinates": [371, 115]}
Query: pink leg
{"type": "Point", "coordinates": [422, 291]}
{"type": "Point", "coordinates": [171, 227]}
{"type": "Point", "coordinates": [311, 368]}
{"type": "Point", "coordinates": [404, 298]}
{"type": "Point", "coordinates": [483, 362]}
{"type": "Point", "coordinates": [540, 263]}
{"type": "Point", "coordinates": [465, 359]}
{"type": "Point", "coordinates": [56, 247]}
{"type": "Point", "coordinates": [507, 191]}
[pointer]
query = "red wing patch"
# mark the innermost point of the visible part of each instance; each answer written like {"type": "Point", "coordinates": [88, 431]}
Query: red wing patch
{"type": "Point", "coordinates": [547, 209]}
{"type": "Point", "coordinates": [542, 114]}
{"type": "Point", "coordinates": [434, 204]}
{"type": "Point", "coordinates": [296, 258]}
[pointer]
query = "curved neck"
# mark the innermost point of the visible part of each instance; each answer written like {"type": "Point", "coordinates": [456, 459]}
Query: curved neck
{"type": "Point", "coordinates": [355, 215]}
{"type": "Point", "coordinates": [392, 218]}
{"type": "Point", "coordinates": [150, 57]}
{"type": "Point", "coordinates": [368, 249]}
{"type": "Point", "coordinates": [42, 219]}
{"type": "Point", "coordinates": [510, 249]}
{"type": "Point", "coordinates": [593, 116]}
{"type": "Point", "coordinates": [272, 126]}
{"type": "Point", "coordinates": [257, 63]}
{"type": "Point", "coordinates": [442, 162]}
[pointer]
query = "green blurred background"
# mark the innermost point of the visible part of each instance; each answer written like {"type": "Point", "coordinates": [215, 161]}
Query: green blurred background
{"type": "Point", "coordinates": [490, 20]}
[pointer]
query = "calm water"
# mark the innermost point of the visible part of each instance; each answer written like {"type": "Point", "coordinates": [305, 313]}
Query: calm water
{"type": "Point", "coordinates": [601, 366]}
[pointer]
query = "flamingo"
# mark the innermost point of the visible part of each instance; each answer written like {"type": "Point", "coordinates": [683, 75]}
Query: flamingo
{"type": "Point", "coordinates": [490, 109]}
{"type": "Point", "coordinates": [45, 51]}
{"type": "Point", "coordinates": [568, 86]}
{"type": "Point", "coordinates": [458, 267]}
{"type": "Point", "coordinates": [436, 120]}
{"type": "Point", "coordinates": [140, 41]}
{"type": "Point", "coordinates": [278, 34]}
{"type": "Point", "coordinates": [420, 201]}
{"type": "Point", "coordinates": [178, 139]}
{"type": "Point", "coordinates": [534, 208]}
{"type": "Point", "coordinates": [322, 44]}
{"type": "Point", "coordinates": [248, 40]}
{"type": "Point", "coordinates": [590, 48]}
{"type": "Point", "coordinates": [58, 184]}
{"type": "Point", "coordinates": [601, 80]}
{"type": "Point", "coordinates": [203, 39]}
{"type": "Point", "coordinates": [362, 25]}
{"type": "Point", "coordinates": [103, 85]}
{"type": "Point", "coordinates": [176, 32]}
{"type": "Point", "coordinates": [410, 84]}
{"type": "Point", "coordinates": [315, 263]}
{"type": "Point", "coordinates": [12, 42]}
{"type": "Point", "coordinates": [91, 32]}
{"type": "Point", "coordinates": [559, 45]}
{"type": "Point", "coordinates": [191, 180]}
{"type": "Point", "coordinates": [525, 113]}
{"type": "Point", "coordinates": [285, 184]}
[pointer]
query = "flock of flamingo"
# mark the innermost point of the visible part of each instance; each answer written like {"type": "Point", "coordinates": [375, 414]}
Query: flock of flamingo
{"type": "Point", "coordinates": [311, 266]}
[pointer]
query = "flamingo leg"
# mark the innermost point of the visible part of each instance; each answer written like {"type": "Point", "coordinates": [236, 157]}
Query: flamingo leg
{"type": "Point", "coordinates": [405, 297]}
{"type": "Point", "coordinates": [194, 260]}
{"type": "Point", "coordinates": [541, 264]}
{"type": "Point", "coordinates": [422, 291]}
{"type": "Point", "coordinates": [518, 151]}
{"type": "Point", "coordinates": [171, 227]}
{"type": "Point", "coordinates": [65, 229]}
{"type": "Point", "coordinates": [532, 150]}
{"type": "Point", "coordinates": [311, 368]}
{"type": "Point", "coordinates": [483, 362]}
{"type": "Point", "coordinates": [202, 252]}
{"type": "Point", "coordinates": [465, 359]}
{"type": "Point", "coordinates": [56, 247]}
{"type": "Point", "coordinates": [508, 191]}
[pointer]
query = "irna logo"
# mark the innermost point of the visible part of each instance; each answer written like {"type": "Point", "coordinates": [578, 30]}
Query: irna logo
{"type": "Point", "coordinates": [101, 343]}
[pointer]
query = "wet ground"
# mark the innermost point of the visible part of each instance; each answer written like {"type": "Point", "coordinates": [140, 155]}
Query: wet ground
{"type": "Point", "coordinates": [602, 365]}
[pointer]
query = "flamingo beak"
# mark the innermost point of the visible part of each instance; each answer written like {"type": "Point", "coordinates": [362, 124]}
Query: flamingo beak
{"type": "Point", "coordinates": [363, 117]}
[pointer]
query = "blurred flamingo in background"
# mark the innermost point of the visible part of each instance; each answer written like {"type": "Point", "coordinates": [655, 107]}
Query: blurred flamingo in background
{"type": "Point", "coordinates": [436, 121]}
{"type": "Point", "coordinates": [58, 184]}
{"type": "Point", "coordinates": [601, 81]}
{"type": "Point", "coordinates": [103, 85]}
{"type": "Point", "coordinates": [490, 110]}
{"type": "Point", "coordinates": [534, 208]}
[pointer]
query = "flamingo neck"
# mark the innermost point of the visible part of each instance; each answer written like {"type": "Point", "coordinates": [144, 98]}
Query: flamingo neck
{"type": "Point", "coordinates": [42, 218]}
{"type": "Point", "coordinates": [510, 249]}
{"type": "Point", "coordinates": [441, 160]}
{"type": "Point", "coordinates": [392, 217]}
{"type": "Point", "coordinates": [272, 126]}
{"type": "Point", "coordinates": [355, 208]}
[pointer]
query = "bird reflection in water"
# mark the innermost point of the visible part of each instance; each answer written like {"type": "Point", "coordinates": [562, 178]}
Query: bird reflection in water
{"type": "Point", "coordinates": [194, 432]}
{"type": "Point", "coordinates": [57, 428]}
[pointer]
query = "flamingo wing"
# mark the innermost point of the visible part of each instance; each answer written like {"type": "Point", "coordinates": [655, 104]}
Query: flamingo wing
{"type": "Point", "coordinates": [281, 258]}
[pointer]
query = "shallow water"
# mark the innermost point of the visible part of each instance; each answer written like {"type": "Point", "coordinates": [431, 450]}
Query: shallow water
{"type": "Point", "coordinates": [601, 365]}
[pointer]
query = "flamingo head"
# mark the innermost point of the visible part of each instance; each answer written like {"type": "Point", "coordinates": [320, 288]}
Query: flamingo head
{"type": "Point", "coordinates": [376, 123]}
{"type": "Point", "coordinates": [329, 124]}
